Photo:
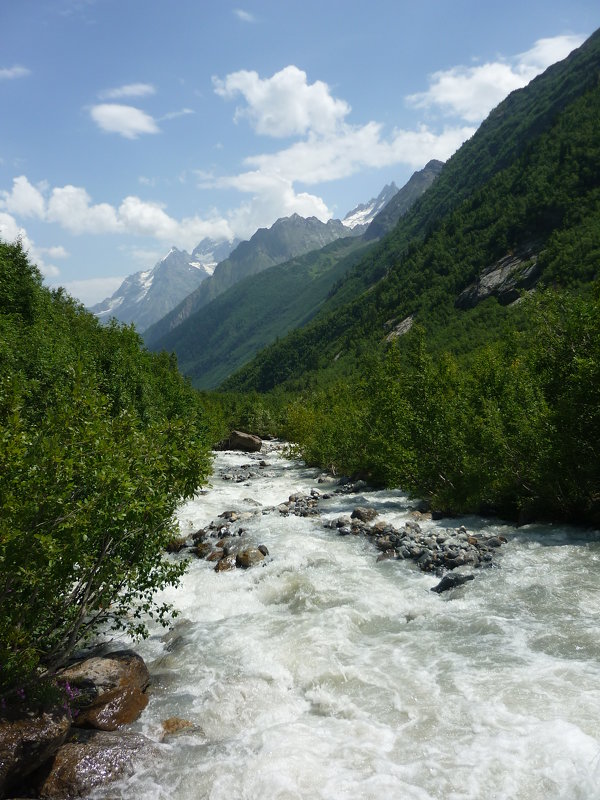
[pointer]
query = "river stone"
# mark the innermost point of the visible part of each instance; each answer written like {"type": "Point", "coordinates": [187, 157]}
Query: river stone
{"type": "Point", "coordinates": [226, 563]}
{"type": "Point", "coordinates": [249, 557]}
{"type": "Point", "coordinates": [175, 725]}
{"type": "Point", "coordinates": [450, 582]}
{"type": "Point", "coordinates": [364, 514]}
{"type": "Point", "coordinates": [26, 743]}
{"type": "Point", "coordinates": [91, 758]}
{"type": "Point", "coordinates": [203, 549]}
{"type": "Point", "coordinates": [120, 680]}
{"type": "Point", "coordinates": [263, 549]}
{"type": "Point", "coordinates": [176, 544]}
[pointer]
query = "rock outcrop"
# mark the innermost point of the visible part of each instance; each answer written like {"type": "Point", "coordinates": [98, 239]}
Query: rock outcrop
{"type": "Point", "coordinates": [505, 279]}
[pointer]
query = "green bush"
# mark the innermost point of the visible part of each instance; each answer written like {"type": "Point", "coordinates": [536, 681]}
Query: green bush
{"type": "Point", "coordinates": [99, 443]}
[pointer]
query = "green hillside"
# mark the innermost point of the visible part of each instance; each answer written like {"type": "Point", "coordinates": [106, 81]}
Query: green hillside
{"type": "Point", "coordinates": [229, 331]}
{"type": "Point", "coordinates": [287, 238]}
{"type": "Point", "coordinates": [540, 153]}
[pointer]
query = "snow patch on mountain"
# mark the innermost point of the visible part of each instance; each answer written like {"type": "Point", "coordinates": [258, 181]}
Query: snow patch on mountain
{"type": "Point", "coordinates": [364, 213]}
{"type": "Point", "coordinates": [146, 296]}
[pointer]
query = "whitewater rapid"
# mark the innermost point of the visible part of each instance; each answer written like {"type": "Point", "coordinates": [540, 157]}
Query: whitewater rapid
{"type": "Point", "coordinates": [323, 673]}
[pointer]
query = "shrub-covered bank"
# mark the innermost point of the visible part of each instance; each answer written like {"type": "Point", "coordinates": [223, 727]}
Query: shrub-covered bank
{"type": "Point", "coordinates": [99, 442]}
{"type": "Point", "coordinates": [513, 429]}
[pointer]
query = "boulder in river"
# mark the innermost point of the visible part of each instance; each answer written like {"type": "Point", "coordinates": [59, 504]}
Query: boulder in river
{"type": "Point", "coordinates": [238, 440]}
{"type": "Point", "coordinates": [451, 582]}
{"type": "Point", "coordinates": [89, 759]}
{"type": "Point", "coordinates": [364, 514]}
{"type": "Point", "coordinates": [111, 689]}
{"type": "Point", "coordinates": [249, 557]}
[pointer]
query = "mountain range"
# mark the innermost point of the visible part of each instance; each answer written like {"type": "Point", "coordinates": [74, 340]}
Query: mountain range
{"type": "Point", "coordinates": [146, 296]}
{"type": "Point", "coordinates": [218, 337]}
{"type": "Point", "coordinates": [287, 238]}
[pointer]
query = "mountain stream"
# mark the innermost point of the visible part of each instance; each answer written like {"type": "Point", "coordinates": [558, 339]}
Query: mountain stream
{"type": "Point", "coordinates": [323, 673]}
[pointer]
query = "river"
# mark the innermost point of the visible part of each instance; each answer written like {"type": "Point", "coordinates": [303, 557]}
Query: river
{"type": "Point", "coordinates": [322, 673]}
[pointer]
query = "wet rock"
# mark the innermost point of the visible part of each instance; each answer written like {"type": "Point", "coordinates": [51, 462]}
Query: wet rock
{"type": "Point", "coordinates": [26, 743]}
{"type": "Point", "coordinates": [451, 582]}
{"type": "Point", "coordinates": [225, 564]}
{"type": "Point", "coordinates": [495, 541]}
{"type": "Point", "coordinates": [216, 555]}
{"type": "Point", "coordinates": [200, 535]}
{"type": "Point", "coordinates": [91, 758]}
{"type": "Point", "coordinates": [114, 689]}
{"type": "Point", "coordinates": [263, 549]}
{"type": "Point", "coordinates": [364, 514]}
{"type": "Point", "coordinates": [175, 725]}
{"type": "Point", "coordinates": [249, 557]}
{"type": "Point", "coordinates": [203, 549]}
{"type": "Point", "coordinates": [176, 544]}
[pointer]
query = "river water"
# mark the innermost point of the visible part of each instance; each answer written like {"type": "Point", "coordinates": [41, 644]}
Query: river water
{"type": "Point", "coordinates": [323, 673]}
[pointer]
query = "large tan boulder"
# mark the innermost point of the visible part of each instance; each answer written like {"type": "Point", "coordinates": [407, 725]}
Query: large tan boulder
{"type": "Point", "coordinates": [112, 689]}
{"type": "Point", "coordinates": [238, 440]}
{"type": "Point", "coordinates": [26, 743]}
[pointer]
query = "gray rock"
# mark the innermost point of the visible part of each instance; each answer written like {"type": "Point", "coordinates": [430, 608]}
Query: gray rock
{"type": "Point", "coordinates": [451, 582]}
{"type": "Point", "coordinates": [238, 440]}
{"type": "Point", "coordinates": [364, 514]}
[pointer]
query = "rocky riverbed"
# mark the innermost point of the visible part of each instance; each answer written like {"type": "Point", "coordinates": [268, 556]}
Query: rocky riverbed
{"type": "Point", "coordinates": [225, 542]}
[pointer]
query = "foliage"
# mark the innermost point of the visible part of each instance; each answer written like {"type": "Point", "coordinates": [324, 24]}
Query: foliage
{"type": "Point", "coordinates": [99, 442]}
{"type": "Point", "coordinates": [514, 431]}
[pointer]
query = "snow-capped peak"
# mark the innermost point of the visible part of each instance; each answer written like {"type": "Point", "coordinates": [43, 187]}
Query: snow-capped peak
{"type": "Point", "coordinates": [364, 213]}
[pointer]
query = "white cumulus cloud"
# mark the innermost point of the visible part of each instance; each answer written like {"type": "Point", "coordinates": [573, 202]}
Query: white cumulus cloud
{"type": "Point", "coordinates": [284, 104]}
{"type": "Point", "coordinates": [71, 207]}
{"type": "Point", "coordinates": [127, 121]}
{"type": "Point", "coordinates": [24, 199]}
{"type": "Point", "coordinates": [472, 92]}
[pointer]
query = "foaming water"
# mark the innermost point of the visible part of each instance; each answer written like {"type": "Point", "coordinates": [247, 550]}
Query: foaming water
{"type": "Point", "coordinates": [323, 674]}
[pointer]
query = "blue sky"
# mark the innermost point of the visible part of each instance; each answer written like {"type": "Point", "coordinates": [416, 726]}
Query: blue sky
{"type": "Point", "coordinates": [128, 126]}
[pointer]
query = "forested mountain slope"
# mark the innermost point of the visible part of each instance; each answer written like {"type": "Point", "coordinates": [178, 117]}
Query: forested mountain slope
{"type": "Point", "coordinates": [226, 333]}
{"type": "Point", "coordinates": [524, 189]}
{"type": "Point", "coordinates": [287, 238]}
